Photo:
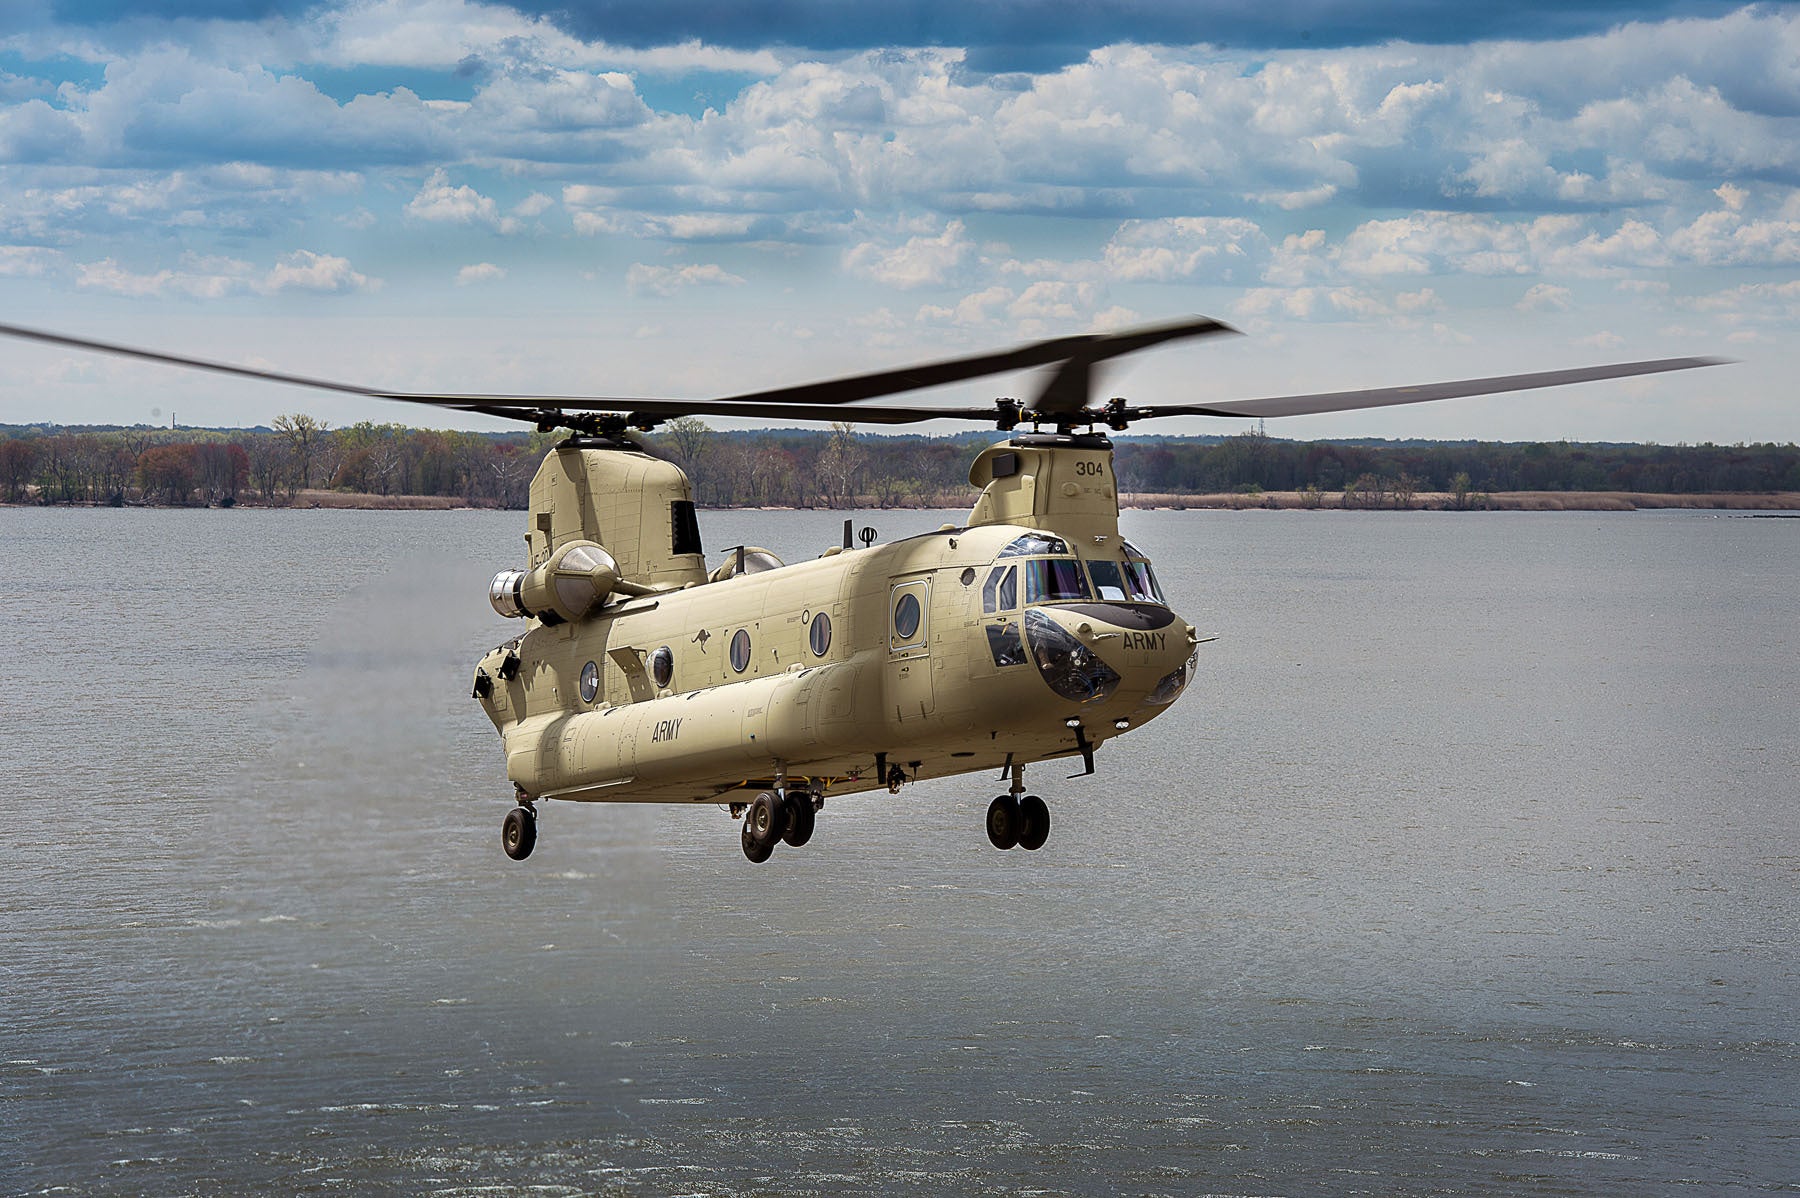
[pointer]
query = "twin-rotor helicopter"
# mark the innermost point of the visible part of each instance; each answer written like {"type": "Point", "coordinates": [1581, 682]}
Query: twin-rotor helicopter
{"type": "Point", "coordinates": [1030, 632]}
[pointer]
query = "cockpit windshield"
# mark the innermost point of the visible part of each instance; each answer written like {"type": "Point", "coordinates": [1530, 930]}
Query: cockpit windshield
{"type": "Point", "coordinates": [1050, 579]}
{"type": "Point", "coordinates": [1132, 579]}
{"type": "Point", "coordinates": [1108, 582]}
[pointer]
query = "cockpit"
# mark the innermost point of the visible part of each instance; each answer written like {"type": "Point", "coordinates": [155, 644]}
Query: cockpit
{"type": "Point", "coordinates": [1049, 572]}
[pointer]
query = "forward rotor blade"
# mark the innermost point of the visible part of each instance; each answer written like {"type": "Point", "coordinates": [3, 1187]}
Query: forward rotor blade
{"type": "Point", "coordinates": [1381, 397]}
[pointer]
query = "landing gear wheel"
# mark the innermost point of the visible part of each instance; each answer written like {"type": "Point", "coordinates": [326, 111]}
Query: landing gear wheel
{"type": "Point", "coordinates": [518, 834]}
{"type": "Point", "coordinates": [1003, 822]}
{"type": "Point", "coordinates": [800, 818]}
{"type": "Point", "coordinates": [764, 824]}
{"type": "Point", "coordinates": [753, 848]}
{"type": "Point", "coordinates": [1034, 823]}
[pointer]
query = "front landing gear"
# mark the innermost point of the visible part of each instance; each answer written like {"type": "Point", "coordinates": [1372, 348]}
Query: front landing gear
{"type": "Point", "coordinates": [773, 817]}
{"type": "Point", "coordinates": [518, 834]}
{"type": "Point", "coordinates": [1023, 822]}
{"type": "Point", "coordinates": [1018, 819]}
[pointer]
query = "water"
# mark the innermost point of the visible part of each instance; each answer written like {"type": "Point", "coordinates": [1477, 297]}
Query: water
{"type": "Point", "coordinates": [1469, 865]}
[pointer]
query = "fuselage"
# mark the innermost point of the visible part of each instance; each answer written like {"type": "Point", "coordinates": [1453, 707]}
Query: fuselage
{"type": "Point", "coordinates": [1034, 632]}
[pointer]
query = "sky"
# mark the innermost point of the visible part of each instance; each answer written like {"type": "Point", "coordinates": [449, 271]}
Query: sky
{"type": "Point", "coordinates": [687, 199]}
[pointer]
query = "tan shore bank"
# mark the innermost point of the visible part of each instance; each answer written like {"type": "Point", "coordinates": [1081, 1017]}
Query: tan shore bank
{"type": "Point", "coordinates": [1500, 501]}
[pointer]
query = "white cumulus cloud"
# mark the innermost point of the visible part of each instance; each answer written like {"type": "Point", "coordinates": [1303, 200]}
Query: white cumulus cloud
{"type": "Point", "coordinates": [667, 280]}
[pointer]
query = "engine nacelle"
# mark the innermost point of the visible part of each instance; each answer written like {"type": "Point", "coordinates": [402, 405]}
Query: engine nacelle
{"type": "Point", "coordinates": [569, 586]}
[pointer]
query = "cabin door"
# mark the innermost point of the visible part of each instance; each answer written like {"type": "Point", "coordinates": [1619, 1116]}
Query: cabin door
{"type": "Point", "coordinates": [909, 648]}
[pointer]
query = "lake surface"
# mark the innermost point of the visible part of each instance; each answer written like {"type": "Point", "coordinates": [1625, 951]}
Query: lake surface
{"type": "Point", "coordinates": [1470, 864]}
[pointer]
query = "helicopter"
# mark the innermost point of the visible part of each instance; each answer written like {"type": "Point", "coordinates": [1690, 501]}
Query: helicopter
{"type": "Point", "coordinates": [1031, 632]}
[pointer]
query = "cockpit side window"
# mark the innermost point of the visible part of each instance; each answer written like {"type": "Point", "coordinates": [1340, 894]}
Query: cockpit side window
{"type": "Point", "coordinates": [1001, 593]}
{"type": "Point", "coordinates": [1050, 579]}
{"type": "Point", "coordinates": [1140, 580]}
{"type": "Point", "coordinates": [1108, 583]}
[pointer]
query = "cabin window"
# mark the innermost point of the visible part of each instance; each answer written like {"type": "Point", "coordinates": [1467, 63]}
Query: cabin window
{"type": "Point", "coordinates": [1048, 580]}
{"type": "Point", "coordinates": [819, 635]}
{"type": "Point", "coordinates": [1033, 543]}
{"type": "Point", "coordinates": [590, 682]}
{"type": "Point", "coordinates": [1002, 590]}
{"type": "Point", "coordinates": [685, 527]}
{"type": "Point", "coordinates": [740, 650]}
{"type": "Point", "coordinates": [1108, 584]}
{"type": "Point", "coordinates": [662, 667]}
{"type": "Point", "coordinates": [906, 617]}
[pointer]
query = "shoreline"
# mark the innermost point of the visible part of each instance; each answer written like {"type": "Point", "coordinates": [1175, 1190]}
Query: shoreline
{"type": "Point", "coordinates": [1498, 501]}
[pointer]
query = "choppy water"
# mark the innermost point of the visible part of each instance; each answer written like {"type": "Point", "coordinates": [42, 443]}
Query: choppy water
{"type": "Point", "coordinates": [1470, 865]}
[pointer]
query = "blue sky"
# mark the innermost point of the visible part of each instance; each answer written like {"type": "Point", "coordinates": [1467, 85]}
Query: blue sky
{"type": "Point", "coordinates": [670, 199]}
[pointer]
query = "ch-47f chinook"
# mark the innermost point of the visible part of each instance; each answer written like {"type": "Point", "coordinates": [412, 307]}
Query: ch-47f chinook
{"type": "Point", "coordinates": [1033, 631]}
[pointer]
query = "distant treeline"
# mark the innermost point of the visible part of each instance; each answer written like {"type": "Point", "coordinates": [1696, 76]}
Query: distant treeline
{"type": "Point", "coordinates": [837, 467]}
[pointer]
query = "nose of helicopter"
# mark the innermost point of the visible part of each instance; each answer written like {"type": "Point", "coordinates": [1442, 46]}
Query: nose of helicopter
{"type": "Point", "coordinates": [1099, 652]}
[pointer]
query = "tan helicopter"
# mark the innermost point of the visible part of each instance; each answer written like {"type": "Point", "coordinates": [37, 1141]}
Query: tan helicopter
{"type": "Point", "coordinates": [1033, 631]}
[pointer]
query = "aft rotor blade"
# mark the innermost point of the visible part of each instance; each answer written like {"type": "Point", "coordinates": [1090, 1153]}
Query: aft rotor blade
{"type": "Point", "coordinates": [151, 355]}
{"type": "Point", "coordinates": [532, 409]}
{"type": "Point", "coordinates": [1070, 387]}
{"type": "Point", "coordinates": [1087, 347]}
{"type": "Point", "coordinates": [1381, 397]}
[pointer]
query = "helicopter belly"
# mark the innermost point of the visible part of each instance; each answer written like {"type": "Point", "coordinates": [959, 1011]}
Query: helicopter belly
{"type": "Point", "coordinates": [697, 743]}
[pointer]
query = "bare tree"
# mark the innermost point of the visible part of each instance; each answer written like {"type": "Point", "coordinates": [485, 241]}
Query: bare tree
{"type": "Point", "coordinates": [303, 435]}
{"type": "Point", "coordinates": [840, 465]}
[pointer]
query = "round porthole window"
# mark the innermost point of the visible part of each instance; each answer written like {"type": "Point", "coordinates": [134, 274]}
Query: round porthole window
{"type": "Point", "coordinates": [820, 634]}
{"type": "Point", "coordinates": [740, 650]}
{"type": "Point", "coordinates": [906, 617]}
{"type": "Point", "coordinates": [590, 682]}
{"type": "Point", "coordinates": [662, 667]}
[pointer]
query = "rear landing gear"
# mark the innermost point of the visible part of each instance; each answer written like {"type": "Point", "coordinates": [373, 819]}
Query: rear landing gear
{"type": "Point", "coordinates": [774, 817]}
{"type": "Point", "coordinates": [518, 833]}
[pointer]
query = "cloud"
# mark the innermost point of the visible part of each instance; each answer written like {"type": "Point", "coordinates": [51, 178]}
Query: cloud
{"type": "Point", "coordinates": [479, 272]}
{"type": "Point", "coordinates": [27, 261]}
{"type": "Point", "coordinates": [1058, 31]}
{"type": "Point", "coordinates": [667, 280]}
{"type": "Point", "coordinates": [438, 201]}
{"type": "Point", "coordinates": [304, 270]}
{"type": "Point", "coordinates": [1222, 249]}
{"type": "Point", "coordinates": [1545, 297]}
{"type": "Point", "coordinates": [923, 261]}
{"type": "Point", "coordinates": [206, 278]}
